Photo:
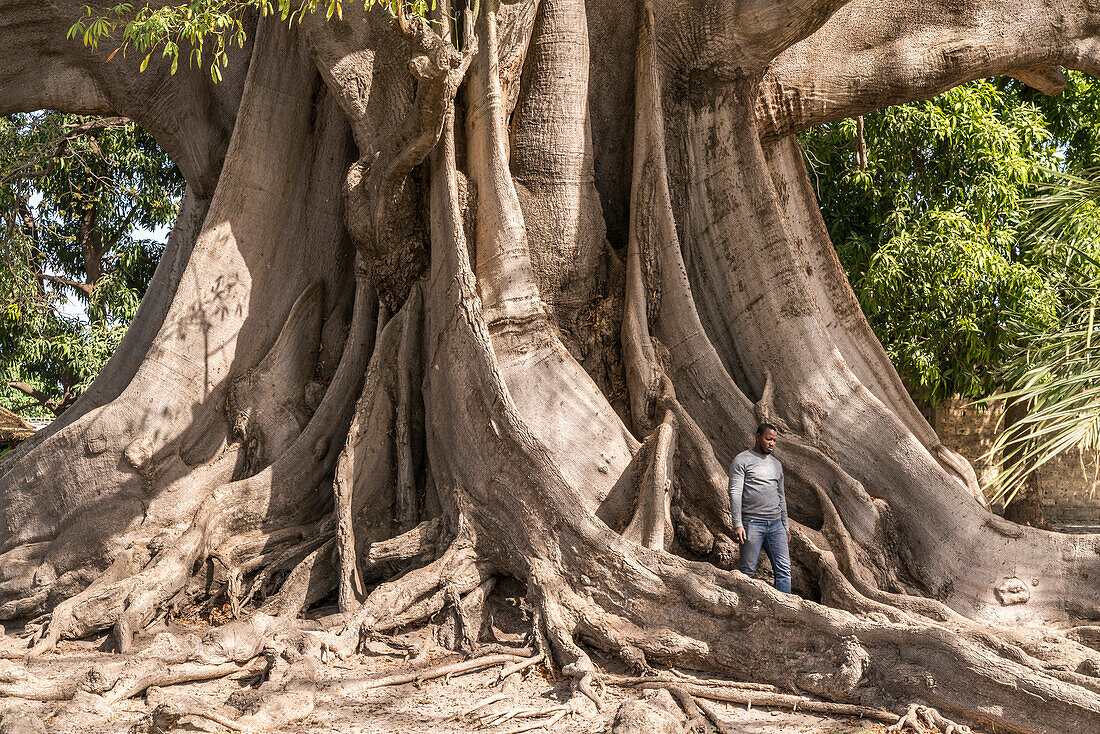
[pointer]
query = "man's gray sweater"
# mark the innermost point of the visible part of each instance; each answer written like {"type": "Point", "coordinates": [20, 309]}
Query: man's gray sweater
{"type": "Point", "coordinates": [756, 488]}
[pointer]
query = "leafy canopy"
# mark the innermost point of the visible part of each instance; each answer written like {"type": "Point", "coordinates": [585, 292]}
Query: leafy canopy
{"type": "Point", "coordinates": [205, 27]}
{"type": "Point", "coordinates": [933, 233]}
{"type": "Point", "coordinates": [78, 200]}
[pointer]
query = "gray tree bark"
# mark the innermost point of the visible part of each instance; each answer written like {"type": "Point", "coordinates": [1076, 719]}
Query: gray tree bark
{"type": "Point", "coordinates": [503, 296]}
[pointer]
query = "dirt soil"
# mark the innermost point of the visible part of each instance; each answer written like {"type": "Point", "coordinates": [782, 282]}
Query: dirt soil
{"type": "Point", "coordinates": [430, 707]}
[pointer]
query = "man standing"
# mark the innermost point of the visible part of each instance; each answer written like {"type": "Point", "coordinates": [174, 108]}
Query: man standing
{"type": "Point", "coordinates": [760, 508]}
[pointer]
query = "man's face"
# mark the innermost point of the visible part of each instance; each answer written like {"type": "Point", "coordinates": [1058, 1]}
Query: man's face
{"type": "Point", "coordinates": [765, 442]}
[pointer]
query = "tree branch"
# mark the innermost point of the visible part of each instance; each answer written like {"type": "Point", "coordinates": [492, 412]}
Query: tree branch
{"type": "Point", "coordinates": [735, 39]}
{"type": "Point", "coordinates": [43, 399]}
{"type": "Point", "coordinates": [85, 288]}
{"type": "Point", "coordinates": [95, 125]}
{"type": "Point", "coordinates": [90, 245]}
{"type": "Point", "coordinates": [110, 242]}
{"type": "Point", "coordinates": [30, 229]}
{"type": "Point", "coordinates": [57, 148]}
{"type": "Point", "coordinates": [870, 55]}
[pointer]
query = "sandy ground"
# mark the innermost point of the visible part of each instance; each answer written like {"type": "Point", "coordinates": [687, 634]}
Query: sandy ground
{"type": "Point", "coordinates": [430, 707]}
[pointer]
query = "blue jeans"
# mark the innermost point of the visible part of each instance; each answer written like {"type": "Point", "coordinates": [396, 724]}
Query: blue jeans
{"type": "Point", "coordinates": [772, 537]}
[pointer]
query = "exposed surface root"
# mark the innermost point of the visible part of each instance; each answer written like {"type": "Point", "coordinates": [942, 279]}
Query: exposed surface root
{"type": "Point", "coordinates": [138, 587]}
{"type": "Point", "coordinates": [415, 596]}
{"type": "Point", "coordinates": [169, 660]}
{"type": "Point", "coordinates": [554, 631]}
{"type": "Point", "coordinates": [554, 714]}
{"type": "Point", "coordinates": [520, 666]}
{"type": "Point", "coordinates": [624, 680]}
{"type": "Point", "coordinates": [483, 703]}
{"type": "Point", "coordinates": [917, 715]}
{"type": "Point", "coordinates": [155, 673]}
{"type": "Point", "coordinates": [412, 650]}
{"type": "Point", "coordinates": [464, 617]}
{"type": "Point", "coordinates": [436, 671]}
{"type": "Point", "coordinates": [712, 715]}
{"type": "Point", "coordinates": [409, 547]}
{"type": "Point", "coordinates": [20, 722]}
{"type": "Point", "coordinates": [480, 451]}
{"type": "Point", "coordinates": [778, 700]}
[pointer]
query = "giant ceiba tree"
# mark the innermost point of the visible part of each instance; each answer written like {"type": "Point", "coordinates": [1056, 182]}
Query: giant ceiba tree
{"type": "Point", "coordinates": [500, 295]}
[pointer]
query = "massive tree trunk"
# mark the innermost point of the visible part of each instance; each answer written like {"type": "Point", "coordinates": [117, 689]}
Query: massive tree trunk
{"type": "Point", "coordinates": [502, 297]}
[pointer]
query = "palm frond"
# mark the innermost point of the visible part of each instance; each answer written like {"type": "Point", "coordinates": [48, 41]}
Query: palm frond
{"type": "Point", "coordinates": [1058, 378]}
{"type": "Point", "coordinates": [1057, 375]}
{"type": "Point", "coordinates": [1060, 200]}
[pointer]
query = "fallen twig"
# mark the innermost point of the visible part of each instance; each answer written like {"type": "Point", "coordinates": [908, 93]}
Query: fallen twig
{"type": "Point", "coordinates": [541, 724]}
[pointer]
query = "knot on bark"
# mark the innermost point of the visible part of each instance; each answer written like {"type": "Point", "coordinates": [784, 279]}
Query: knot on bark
{"type": "Point", "coordinates": [1012, 591]}
{"type": "Point", "coordinates": [139, 453]}
{"type": "Point", "coordinates": [44, 576]}
{"type": "Point", "coordinates": [854, 661]}
{"type": "Point", "coordinates": [725, 554]}
{"type": "Point", "coordinates": [1089, 667]}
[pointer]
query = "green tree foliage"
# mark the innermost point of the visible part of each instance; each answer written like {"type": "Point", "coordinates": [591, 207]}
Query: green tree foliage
{"type": "Point", "coordinates": [206, 27]}
{"type": "Point", "coordinates": [76, 197]}
{"type": "Point", "coordinates": [932, 233]}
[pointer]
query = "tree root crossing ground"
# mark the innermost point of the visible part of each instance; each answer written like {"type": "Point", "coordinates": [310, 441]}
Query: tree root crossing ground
{"type": "Point", "coordinates": [489, 301]}
{"type": "Point", "coordinates": [405, 684]}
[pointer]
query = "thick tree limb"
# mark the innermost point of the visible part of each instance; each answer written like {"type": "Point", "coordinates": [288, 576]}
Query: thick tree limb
{"type": "Point", "coordinates": [870, 55]}
{"type": "Point", "coordinates": [734, 40]}
{"type": "Point", "coordinates": [33, 392]}
{"type": "Point", "coordinates": [85, 288]}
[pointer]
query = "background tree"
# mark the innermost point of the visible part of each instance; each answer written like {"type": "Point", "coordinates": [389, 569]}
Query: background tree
{"type": "Point", "coordinates": [474, 227]}
{"type": "Point", "coordinates": [75, 194]}
{"type": "Point", "coordinates": [934, 231]}
{"type": "Point", "coordinates": [936, 227]}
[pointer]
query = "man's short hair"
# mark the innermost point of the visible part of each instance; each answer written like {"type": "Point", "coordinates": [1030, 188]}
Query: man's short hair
{"type": "Point", "coordinates": [765, 427]}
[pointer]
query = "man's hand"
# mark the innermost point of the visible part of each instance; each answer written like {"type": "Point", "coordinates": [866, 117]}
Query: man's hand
{"type": "Point", "coordinates": [739, 535]}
